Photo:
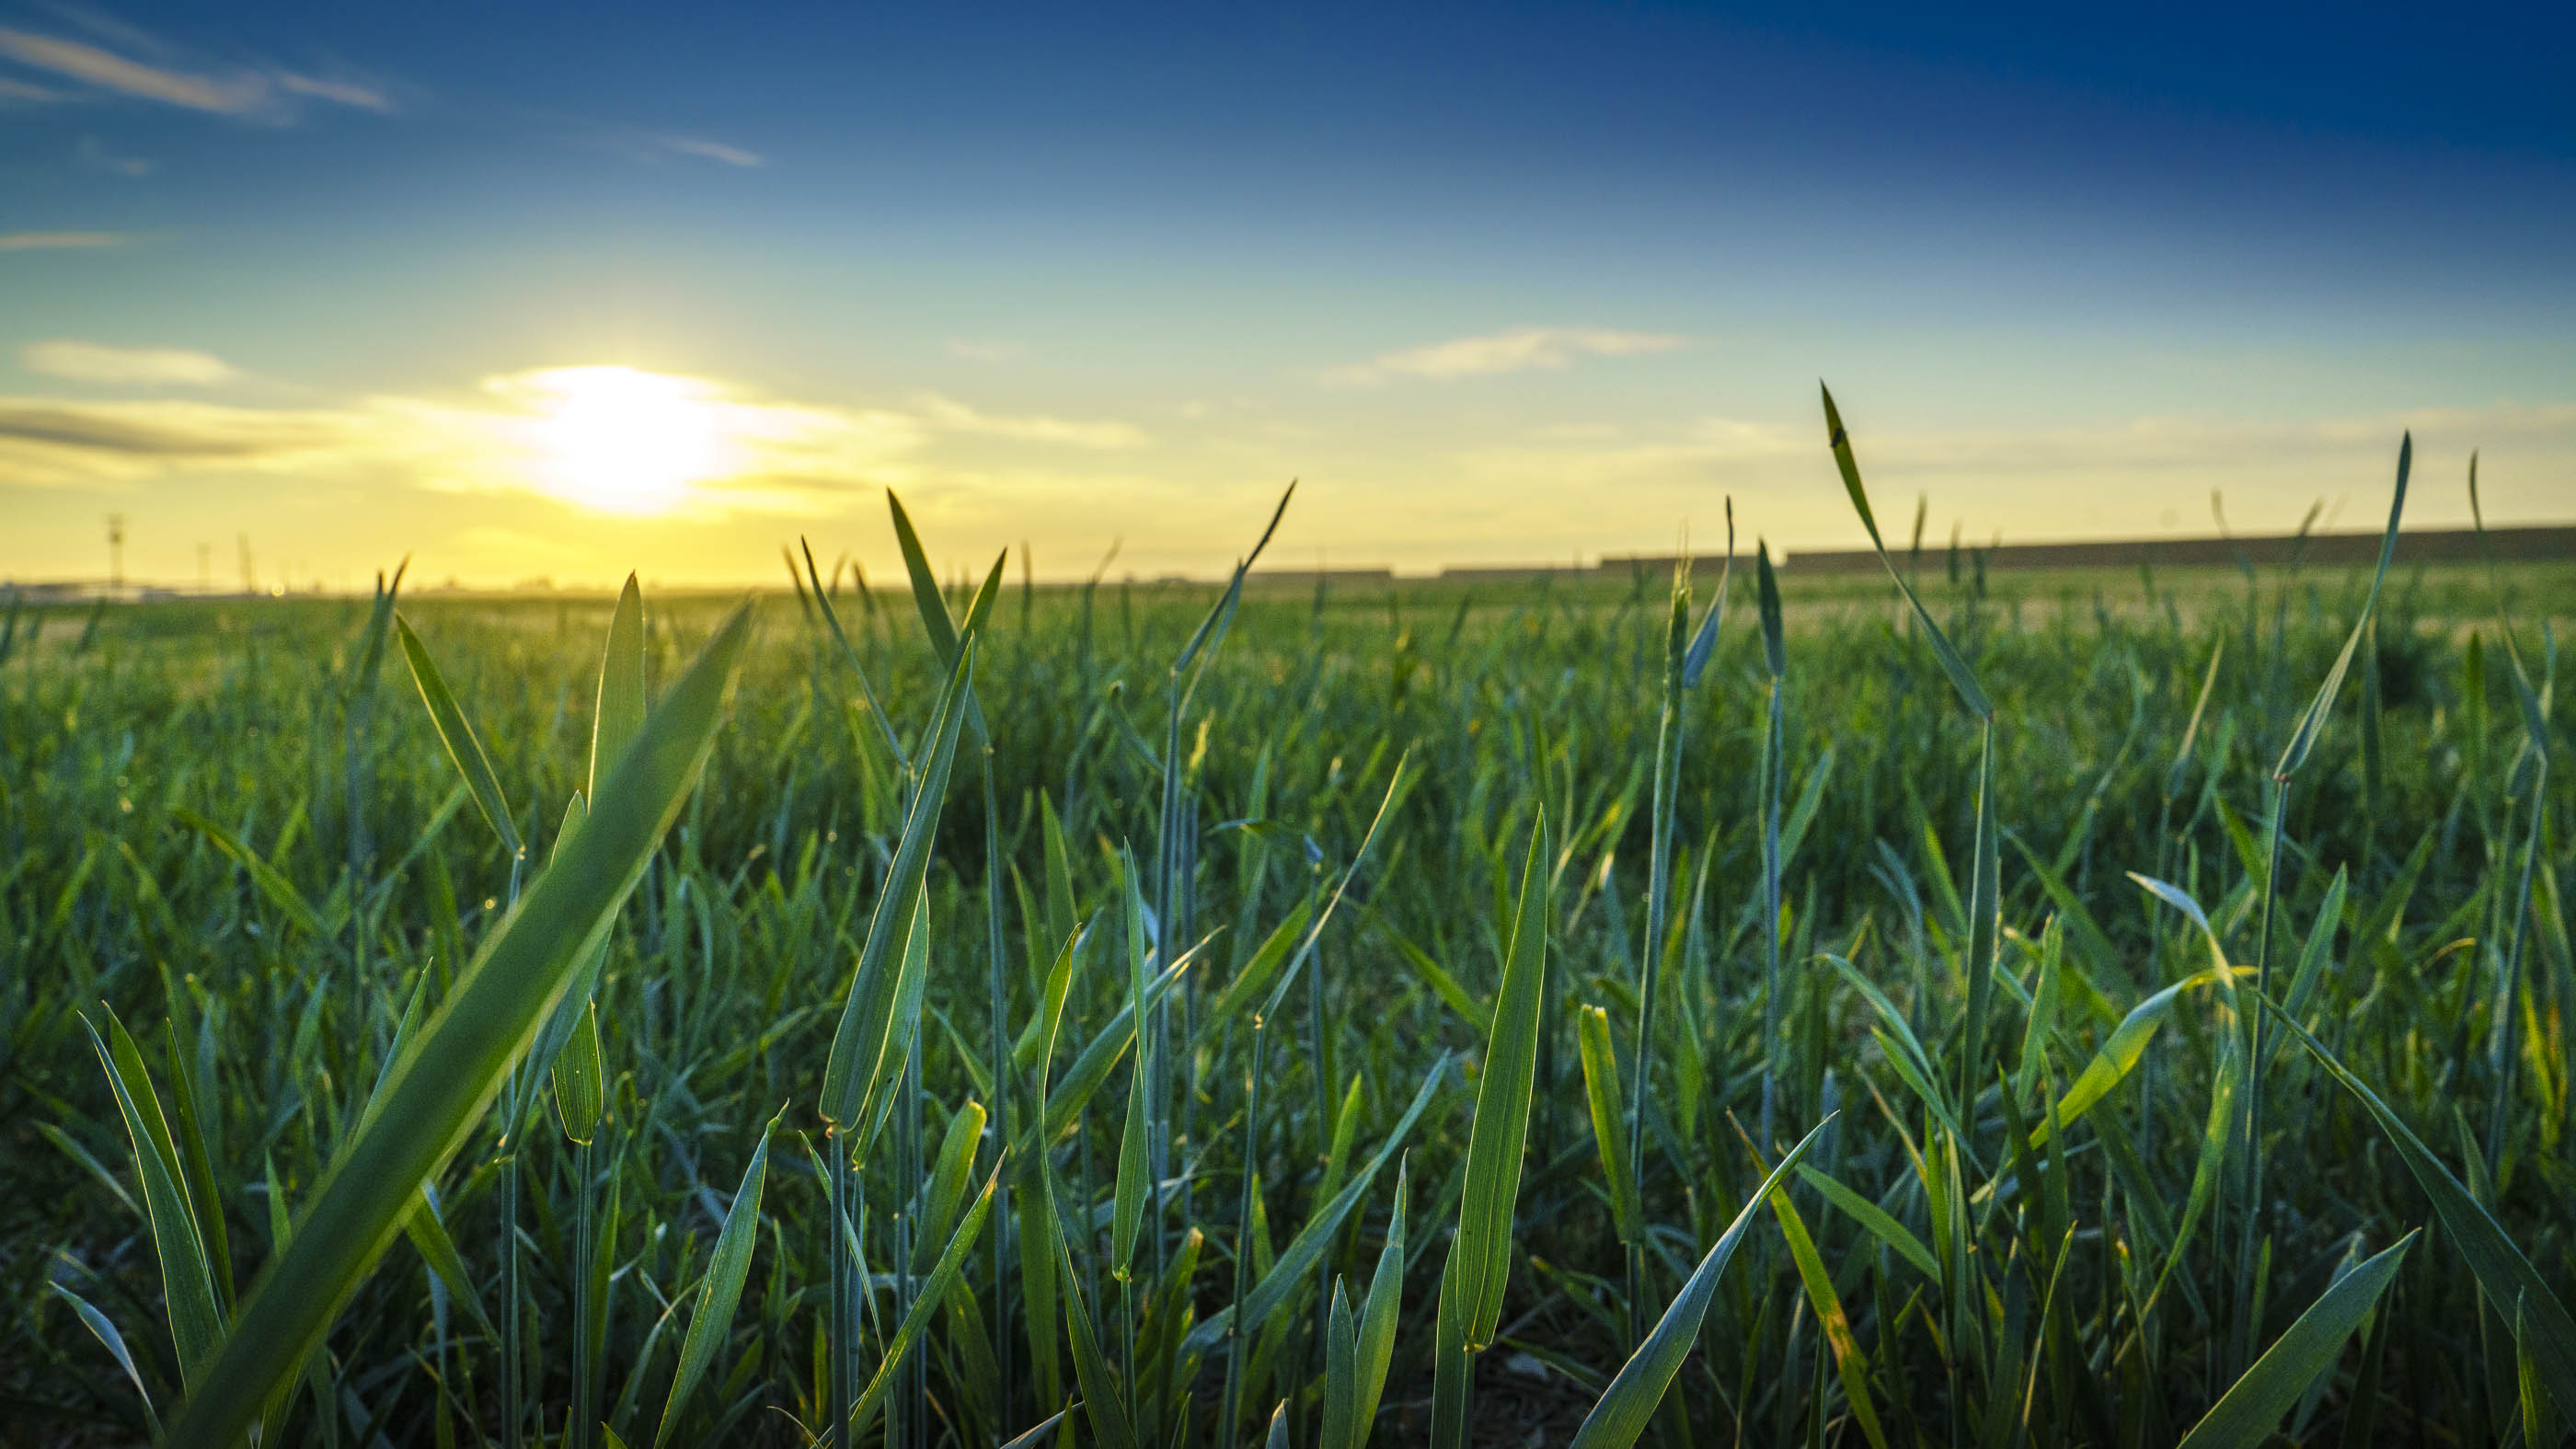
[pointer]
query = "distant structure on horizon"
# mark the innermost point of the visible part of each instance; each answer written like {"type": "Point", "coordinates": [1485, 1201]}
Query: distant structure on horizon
{"type": "Point", "coordinates": [2436, 545]}
{"type": "Point", "coordinates": [2543, 544]}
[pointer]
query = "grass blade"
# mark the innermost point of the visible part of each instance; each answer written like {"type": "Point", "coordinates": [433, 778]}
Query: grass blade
{"type": "Point", "coordinates": [722, 1293]}
{"type": "Point", "coordinates": [2251, 1409]}
{"type": "Point", "coordinates": [456, 1066]}
{"type": "Point", "coordinates": [860, 1044]}
{"type": "Point", "coordinates": [2503, 1273]}
{"type": "Point", "coordinates": [1629, 1404]}
{"type": "Point", "coordinates": [464, 746]}
{"type": "Point", "coordinates": [619, 715]}
{"type": "Point", "coordinates": [187, 1282]}
{"type": "Point", "coordinates": [2312, 721]}
{"type": "Point", "coordinates": [1480, 1257]}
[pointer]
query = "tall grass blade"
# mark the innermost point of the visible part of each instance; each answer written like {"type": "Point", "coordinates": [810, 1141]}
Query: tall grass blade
{"type": "Point", "coordinates": [1480, 1256]}
{"type": "Point", "coordinates": [2312, 721]}
{"type": "Point", "coordinates": [456, 1065]}
{"type": "Point", "coordinates": [862, 1041]}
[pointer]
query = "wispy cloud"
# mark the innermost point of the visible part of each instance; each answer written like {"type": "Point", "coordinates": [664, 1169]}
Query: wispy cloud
{"type": "Point", "coordinates": [704, 149]}
{"type": "Point", "coordinates": [20, 93]}
{"type": "Point", "coordinates": [340, 90]}
{"type": "Point", "coordinates": [1517, 349]}
{"type": "Point", "coordinates": [241, 93]}
{"type": "Point", "coordinates": [521, 432]}
{"type": "Point", "coordinates": [147, 366]}
{"type": "Point", "coordinates": [45, 241]}
{"type": "Point", "coordinates": [250, 92]}
{"type": "Point", "coordinates": [987, 351]}
{"type": "Point", "coordinates": [950, 415]}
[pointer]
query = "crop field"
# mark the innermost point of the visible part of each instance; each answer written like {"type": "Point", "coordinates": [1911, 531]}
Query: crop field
{"type": "Point", "coordinates": [2086, 1009]}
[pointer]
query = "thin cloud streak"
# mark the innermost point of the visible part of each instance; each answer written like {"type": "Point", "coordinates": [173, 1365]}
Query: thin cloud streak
{"type": "Point", "coordinates": [149, 366]}
{"type": "Point", "coordinates": [1518, 349]}
{"type": "Point", "coordinates": [710, 151]}
{"type": "Point", "coordinates": [236, 95]}
{"type": "Point", "coordinates": [950, 415]}
{"type": "Point", "coordinates": [264, 93]}
{"type": "Point", "coordinates": [43, 241]}
{"type": "Point", "coordinates": [358, 95]}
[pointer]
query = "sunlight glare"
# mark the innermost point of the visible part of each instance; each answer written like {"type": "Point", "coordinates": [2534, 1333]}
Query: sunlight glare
{"type": "Point", "coordinates": [621, 440]}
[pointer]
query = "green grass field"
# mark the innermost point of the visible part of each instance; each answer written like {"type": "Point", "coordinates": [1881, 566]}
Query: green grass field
{"type": "Point", "coordinates": [1493, 947]}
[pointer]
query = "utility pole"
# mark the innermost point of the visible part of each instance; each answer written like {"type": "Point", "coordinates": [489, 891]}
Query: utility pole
{"type": "Point", "coordinates": [116, 555]}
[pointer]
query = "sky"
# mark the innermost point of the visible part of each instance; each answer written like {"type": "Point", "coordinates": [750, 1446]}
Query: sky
{"type": "Point", "coordinates": [555, 292]}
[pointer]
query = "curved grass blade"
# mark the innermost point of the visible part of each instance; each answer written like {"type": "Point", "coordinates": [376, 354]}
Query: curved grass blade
{"type": "Point", "coordinates": [1628, 1405]}
{"type": "Point", "coordinates": [2121, 1053]}
{"type": "Point", "coordinates": [2503, 1273]}
{"type": "Point", "coordinates": [1038, 1435]}
{"type": "Point", "coordinates": [187, 1282]}
{"type": "Point", "coordinates": [1875, 1218]}
{"type": "Point", "coordinates": [948, 1178]}
{"type": "Point", "coordinates": [945, 638]}
{"type": "Point", "coordinates": [105, 1332]}
{"type": "Point", "coordinates": [1851, 1364]}
{"type": "Point", "coordinates": [1703, 644]}
{"type": "Point", "coordinates": [1962, 678]}
{"type": "Point", "coordinates": [456, 1066]}
{"type": "Point", "coordinates": [457, 733]}
{"type": "Point", "coordinates": [2251, 1409]}
{"type": "Point", "coordinates": [722, 1292]}
{"type": "Point", "coordinates": [280, 891]}
{"type": "Point", "coordinates": [934, 1292]}
{"type": "Point", "coordinates": [1289, 1270]}
{"type": "Point", "coordinates": [429, 1236]}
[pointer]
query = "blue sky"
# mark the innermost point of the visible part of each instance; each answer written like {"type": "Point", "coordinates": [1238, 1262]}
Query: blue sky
{"type": "Point", "coordinates": [1499, 283]}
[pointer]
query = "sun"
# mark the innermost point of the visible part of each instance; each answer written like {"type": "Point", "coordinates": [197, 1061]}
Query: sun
{"type": "Point", "coordinates": [622, 440]}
